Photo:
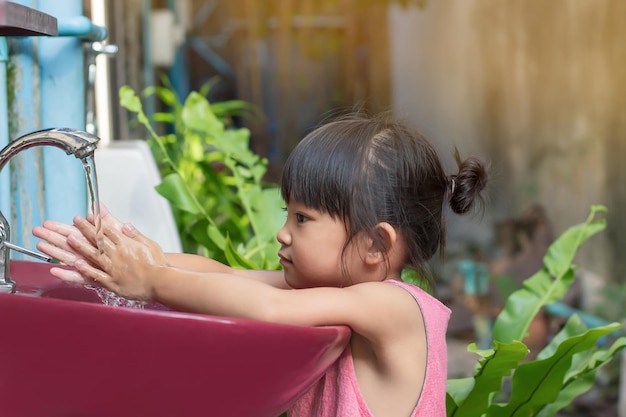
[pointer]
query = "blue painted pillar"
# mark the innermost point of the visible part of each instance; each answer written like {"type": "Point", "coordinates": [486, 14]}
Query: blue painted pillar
{"type": "Point", "coordinates": [62, 89]}
{"type": "Point", "coordinates": [26, 190]}
{"type": "Point", "coordinates": [45, 88]}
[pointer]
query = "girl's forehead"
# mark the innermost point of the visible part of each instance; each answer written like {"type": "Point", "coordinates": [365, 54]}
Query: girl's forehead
{"type": "Point", "coordinates": [298, 204]}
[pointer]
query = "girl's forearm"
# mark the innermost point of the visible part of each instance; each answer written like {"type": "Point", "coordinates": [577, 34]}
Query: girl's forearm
{"type": "Point", "coordinates": [217, 293]}
{"type": "Point", "coordinates": [196, 263]}
{"type": "Point", "coordinates": [204, 264]}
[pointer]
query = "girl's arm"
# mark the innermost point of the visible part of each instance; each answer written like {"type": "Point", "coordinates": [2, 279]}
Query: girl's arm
{"type": "Point", "coordinates": [54, 243]}
{"type": "Point", "coordinates": [134, 267]}
{"type": "Point", "coordinates": [204, 264]}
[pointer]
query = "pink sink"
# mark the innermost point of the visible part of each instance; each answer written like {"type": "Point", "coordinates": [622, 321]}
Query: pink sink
{"type": "Point", "coordinates": [65, 354]}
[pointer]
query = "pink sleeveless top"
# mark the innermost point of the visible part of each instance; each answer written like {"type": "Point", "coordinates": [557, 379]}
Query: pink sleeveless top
{"type": "Point", "coordinates": [337, 393]}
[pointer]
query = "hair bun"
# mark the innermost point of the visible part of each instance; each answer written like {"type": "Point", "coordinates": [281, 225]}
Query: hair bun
{"type": "Point", "coordinates": [466, 186]}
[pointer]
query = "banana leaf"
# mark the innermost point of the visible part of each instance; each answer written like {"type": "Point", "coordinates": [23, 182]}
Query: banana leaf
{"type": "Point", "coordinates": [540, 382]}
{"type": "Point", "coordinates": [581, 376]}
{"type": "Point", "coordinates": [495, 364]}
{"type": "Point", "coordinates": [563, 370]}
{"type": "Point", "coordinates": [547, 285]}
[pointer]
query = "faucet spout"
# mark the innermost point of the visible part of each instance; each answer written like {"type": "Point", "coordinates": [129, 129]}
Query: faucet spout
{"type": "Point", "coordinates": [73, 142]}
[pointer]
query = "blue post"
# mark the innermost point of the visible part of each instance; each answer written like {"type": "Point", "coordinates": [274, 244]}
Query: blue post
{"type": "Point", "coordinates": [45, 79]}
{"type": "Point", "coordinates": [27, 202]}
{"type": "Point", "coordinates": [62, 74]}
{"type": "Point", "coordinates": [179, 72]}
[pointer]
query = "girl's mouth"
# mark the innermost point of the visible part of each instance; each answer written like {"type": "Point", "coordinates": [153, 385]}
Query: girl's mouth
{"type": "Point", "coordinates": [283, 260]}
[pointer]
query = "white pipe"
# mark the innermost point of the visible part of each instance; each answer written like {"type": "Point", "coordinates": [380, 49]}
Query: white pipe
{"type": "Point", "coordinates": [103, 84]}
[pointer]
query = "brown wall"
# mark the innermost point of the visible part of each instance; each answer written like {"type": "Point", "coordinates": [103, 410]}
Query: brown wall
{"type": "Point", "coordinates": [537, 86]}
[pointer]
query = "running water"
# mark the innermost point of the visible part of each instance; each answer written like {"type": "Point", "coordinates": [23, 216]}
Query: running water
{"type": "Point", "coordinates": [107, 297]}
{"type": "Point", "coordinates": [89, 164]}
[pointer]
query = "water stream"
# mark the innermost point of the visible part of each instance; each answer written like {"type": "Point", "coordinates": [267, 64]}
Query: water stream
{"type": "Point", "coordinates": [89, 164]}
{"type": "Point", "coordinates": [107, 297]}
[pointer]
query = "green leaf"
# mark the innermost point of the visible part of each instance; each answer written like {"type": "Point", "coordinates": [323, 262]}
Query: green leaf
{"type": "Point", "coordinates": [538, 383]}
{"type": "Point", "coordinates": [198, 116]}
{"type": "Point", "coordinates": [573, 327]}
{"type": "Point", "coordinates": [496, 364]}
{"type": "Point", "coordinates": [206, 234]}
{"type": "Point", "coordinates": [567, 395]}
{"type": "Point", "coordinates": [547, 285]}
{"type": "Point", "coordinates": [129, 100]}
{"type": "Point", "coordinates": [234, 142]}
{"type": "Point", "coordinates": [233, 108]}
{"type": "Point", "coordinates": [163, 117]}
{"type": "Point", "coordinates": [561, 253]}
{"type": "Point", "coordinates": [176, 191]}
{"type": "Point", "coordinates": [581, 376]}
{"type": "Point", "coordinates": [263, 207]}
{"type": "Point", "coordinates": [457, 389]}
{"type": "Point", "coordinates": [166, 95]}
{"type": "Point", "coordinates": [235, 259]}
{"type": "Point", "coordinates": [216, 236]}
{"type": "Point", "coordinates": [195, 150]}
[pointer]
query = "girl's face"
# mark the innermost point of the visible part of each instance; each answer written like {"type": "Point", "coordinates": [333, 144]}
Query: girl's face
{"type": "Point", "coordinates": [312, 245]}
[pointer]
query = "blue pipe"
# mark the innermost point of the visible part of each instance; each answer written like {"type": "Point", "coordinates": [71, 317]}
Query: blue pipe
{"type": "Point", "coordinates": [560, 309]}
{"type": "Point", "coordinates": [27, 202]}
{"type": "Point", "coordinates": [62, 90]}
{"type": "Point", "coordinates": [79, 27]}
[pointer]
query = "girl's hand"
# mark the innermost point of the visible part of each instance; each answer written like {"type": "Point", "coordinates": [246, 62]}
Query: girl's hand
{"type": "Point", "coordinates": [124, 264]}
{"type": "Point", "coordinates": [54, 243]}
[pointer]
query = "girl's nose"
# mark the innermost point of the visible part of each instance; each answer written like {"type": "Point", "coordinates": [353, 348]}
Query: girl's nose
{"type": "Point", "coordinates": [283, 236]}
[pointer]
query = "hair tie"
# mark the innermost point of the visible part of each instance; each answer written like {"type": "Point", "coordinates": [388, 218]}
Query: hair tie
{"type": "Point", "coordinates": [453, 186]}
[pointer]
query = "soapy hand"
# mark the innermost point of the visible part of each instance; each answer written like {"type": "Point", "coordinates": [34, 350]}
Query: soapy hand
{"type": "Point", "coordinates": [124, 264]}
{"type": "Point", "coordinates": [55, 236]}
{"type": "Point", "coordinates": [54, 243]}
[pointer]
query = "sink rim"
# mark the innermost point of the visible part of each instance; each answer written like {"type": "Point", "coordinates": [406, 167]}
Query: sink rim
{"type": "Point", "coordinates": [22, 290]}
{"type": "Point", "coordinates": [180, 363]}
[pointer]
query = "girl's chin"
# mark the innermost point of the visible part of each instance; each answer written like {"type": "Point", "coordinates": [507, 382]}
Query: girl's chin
{"type": "Point", "coordinates": [296, 282]}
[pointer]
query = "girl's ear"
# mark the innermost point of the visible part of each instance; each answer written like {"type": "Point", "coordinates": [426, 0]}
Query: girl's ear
{"type": "Point", "coordinates": [375, 252]}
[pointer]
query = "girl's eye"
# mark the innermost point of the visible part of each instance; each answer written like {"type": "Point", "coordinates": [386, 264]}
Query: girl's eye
{"type": "Point", "coordinates": [300, 218]}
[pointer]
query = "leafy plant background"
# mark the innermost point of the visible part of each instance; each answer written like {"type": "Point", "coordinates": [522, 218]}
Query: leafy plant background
{"type": "Point", "coordinates": [562, 371]}
{"type": "Point", "coordinates": [213, 181]}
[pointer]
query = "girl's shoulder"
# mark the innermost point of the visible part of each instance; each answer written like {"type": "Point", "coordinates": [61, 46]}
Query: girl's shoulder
{"type": "Point", "coordinates": [390, 310]}
{"type": "Point", "coordinates": [424, 299]}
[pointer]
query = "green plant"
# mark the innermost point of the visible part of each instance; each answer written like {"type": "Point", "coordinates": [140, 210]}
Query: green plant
{"type": "Point", "coordinates": [212, 179]}
{"type": "Point", "coordinates": [563, 370]}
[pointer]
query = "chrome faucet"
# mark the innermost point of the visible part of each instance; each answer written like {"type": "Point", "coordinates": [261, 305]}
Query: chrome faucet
{"type": "Point", "coordinates": [73, 142]}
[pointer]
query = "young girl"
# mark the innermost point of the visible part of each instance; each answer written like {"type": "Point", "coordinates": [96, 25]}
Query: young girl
{"type": "Point", "coordinates": [365, 199]}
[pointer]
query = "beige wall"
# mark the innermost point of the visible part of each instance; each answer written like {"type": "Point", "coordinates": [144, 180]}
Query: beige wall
{"type": "Point", "coordinates": [537, 86]}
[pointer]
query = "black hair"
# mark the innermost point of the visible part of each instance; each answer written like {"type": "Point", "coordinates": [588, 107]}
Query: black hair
{"type": "Point", "coordinates": [368, 170]}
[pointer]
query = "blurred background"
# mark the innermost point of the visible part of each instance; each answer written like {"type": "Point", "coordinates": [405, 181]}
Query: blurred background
{"type": "Point", "coordinates": [537, 88]}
